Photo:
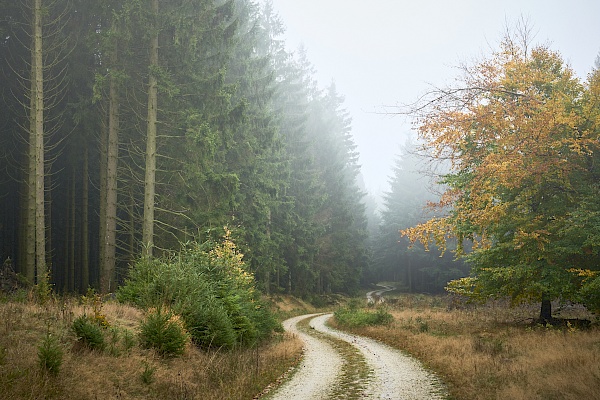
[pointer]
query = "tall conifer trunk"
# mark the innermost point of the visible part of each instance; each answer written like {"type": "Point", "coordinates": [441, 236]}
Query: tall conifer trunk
{"type": "Point", "coordinates": [85, 244]}
{"type": "Point", "coordinates": [29, 266]}
{"type": "Point", "coordinates": [107, 270]}
{"type": "Point", "coordinates": [38, 78]}
{"type": "Point", "coordinates": [102, 187]}
{"type": "Point", "coordinates": [150, 177]}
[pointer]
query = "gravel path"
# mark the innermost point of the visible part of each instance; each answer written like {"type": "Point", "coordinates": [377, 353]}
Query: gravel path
{"type": "Point", "coordinates": [376, 296]}
{"type": "Point", "coordinates": [394, 374]}
{"type": "Point", "coordinates": [319, 369]}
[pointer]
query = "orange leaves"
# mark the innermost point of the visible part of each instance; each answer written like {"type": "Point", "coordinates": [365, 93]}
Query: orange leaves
{"type": "Point", "coordinates": [510, 133]}
{"type": "Point", "coordinates": [436, 230]}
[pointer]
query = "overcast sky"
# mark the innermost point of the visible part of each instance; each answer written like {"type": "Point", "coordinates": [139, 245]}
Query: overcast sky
{"type": "Point", "coordinates": [388, 52]}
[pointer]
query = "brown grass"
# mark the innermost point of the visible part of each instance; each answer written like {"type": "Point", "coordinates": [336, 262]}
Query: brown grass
{"type": "Point", "coordinates": [494, 351]}
{"type": "Point", "coordinates": [85, 374]}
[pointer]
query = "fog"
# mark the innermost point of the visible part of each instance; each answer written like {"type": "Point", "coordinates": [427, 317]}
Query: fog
{"type": "Point", "coordinates": [386, 53]}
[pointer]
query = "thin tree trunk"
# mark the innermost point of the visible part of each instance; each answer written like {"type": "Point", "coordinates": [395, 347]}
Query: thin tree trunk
{"type": "Point", "coordinates": [132, 249]}
{"type": "Point", "coordinates": [38, 77]}
{"type": "Point", "coordinates": [107, 269]}
{"type": "Point", "coordinates": [150, 177]}
{"type": "Point", "coordinates": [102, 211]}
{"type": "Point", "coordinates": [29, 267]}
{"type": "Point", "coordinates": [546, 310]}
{"type": "Point", "coordinates": [72, 235]}
{"type": "Point", "coordinates": [48, 217]}
{"type": "Point", "coordinates": [85, 244]}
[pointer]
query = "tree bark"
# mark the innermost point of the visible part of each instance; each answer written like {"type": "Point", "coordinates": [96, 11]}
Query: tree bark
{"type": "Point", "coordinates": [546, 310]}
{"type": "Point", "coordinates": [107, 271]}
{"type": "Point", "coordinates": [72, 235]}
{"type": "Point", "coordinates": [85, 244]}
{"type": "Point", "coordinates": [150, 177]}
{"type": "Point", "coordinates": [38, 77]}
{"type": "Point", "coordinates": [102, 211]}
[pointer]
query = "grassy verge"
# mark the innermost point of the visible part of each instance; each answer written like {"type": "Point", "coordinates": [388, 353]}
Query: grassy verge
{"type": "Point", "coordinates": [493, 351]}
{"type": "Point", "coordinates": [120, 368]}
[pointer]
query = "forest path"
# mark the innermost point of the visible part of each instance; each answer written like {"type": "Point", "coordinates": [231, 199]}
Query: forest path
{"type": "Point", "coordinates": [390, 374]}
{"type": "Point", "coordinates": [376, 296]}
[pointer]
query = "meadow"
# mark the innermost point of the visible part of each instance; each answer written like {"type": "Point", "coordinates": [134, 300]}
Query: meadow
{"type": "Point", "coordinates": [495, 351]}
{"type": "Point", "coordinates": [120, 368]}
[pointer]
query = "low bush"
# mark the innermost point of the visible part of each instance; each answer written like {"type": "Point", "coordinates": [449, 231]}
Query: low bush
{"type": "Point", "coordinates": [164, 332]}
{"type": "Point", "coordinates": [208, 285]}
{"type": "Point", "coordinates": [88, 332]}
{"type": "Point", "coordinates": [50, 354]}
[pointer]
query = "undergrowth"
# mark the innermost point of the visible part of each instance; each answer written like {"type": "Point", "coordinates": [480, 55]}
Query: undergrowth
{"type": "Point", "coordinates": [494, 351]}
{"type": "Point", "coordinates": [41, 357]}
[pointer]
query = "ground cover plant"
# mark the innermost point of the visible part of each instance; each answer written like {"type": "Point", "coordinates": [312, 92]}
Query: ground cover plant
{"type": "Point", "coordinates": [494, 351]}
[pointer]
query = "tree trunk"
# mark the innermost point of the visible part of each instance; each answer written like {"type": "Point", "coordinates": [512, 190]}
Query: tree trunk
{"type": "Point", "coordinates": [29, 266]}
{"type": "Point", "coordinates": [150, 178]}
{"type": "Point", "coordinates": [72, 235]}
{"type": "Point", "coordinates": [546, 310]}
{"type": "Point", "coordinates": [107, 271]}
{"type": "Point", "coordinates": [38, 77]}
{"type": "Point", "coordinates": [102, 211]}
{"type": "Point", "coordinates": [85, 244]}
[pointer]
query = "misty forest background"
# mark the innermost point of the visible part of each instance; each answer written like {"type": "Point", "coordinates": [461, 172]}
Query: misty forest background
{"type": "Point", "coordinates": [130, 127]}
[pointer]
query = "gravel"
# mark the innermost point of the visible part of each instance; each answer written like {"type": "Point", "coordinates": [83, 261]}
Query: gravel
{"type": "Point", "coordinates": [320, 367]}
{"type": "Point", "coordinates": [394, 374]}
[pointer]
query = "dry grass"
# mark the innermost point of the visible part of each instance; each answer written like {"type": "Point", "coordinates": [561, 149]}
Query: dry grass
{"type": "Point", "coordinates": [120, 373]}
{"type": "Point", "coordinates": [494, 352]}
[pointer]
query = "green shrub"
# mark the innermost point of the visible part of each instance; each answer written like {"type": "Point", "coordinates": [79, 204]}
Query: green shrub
{"type": "Point", "coordinates": [353, 317]}
{"type": "Point", "coordinates": [147, 375]}
{"type": "Point", "coordinates": [88, 332]}
{"type": "Point", "coordinates": [207, 284]}
{"type": "Point", "coordinates": [50, 354]}
{"type": "Point", "coordinates": [164, 332]}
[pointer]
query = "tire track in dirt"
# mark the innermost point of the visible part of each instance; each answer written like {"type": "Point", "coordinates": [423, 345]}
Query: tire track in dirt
{"type": "Point", "coordinates": [318, 371]}
{"type": "Point", "coordinates": [393, 374]}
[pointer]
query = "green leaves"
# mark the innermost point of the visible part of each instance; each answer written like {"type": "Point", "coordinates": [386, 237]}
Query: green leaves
{"type": "Point", "coordinates": [518, 187]}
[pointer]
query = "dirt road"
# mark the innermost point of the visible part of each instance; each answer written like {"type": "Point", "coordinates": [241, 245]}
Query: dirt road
{"type": "Point", "coordinates": [392, 374]}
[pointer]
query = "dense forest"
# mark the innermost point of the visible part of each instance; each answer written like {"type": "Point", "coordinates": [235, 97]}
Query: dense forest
{"type": "Point", "coordinates": [413, 184]}
{"type": "Point", "coordinates": [131, 127]}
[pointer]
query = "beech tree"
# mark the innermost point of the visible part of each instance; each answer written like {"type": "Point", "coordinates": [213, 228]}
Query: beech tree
{"type": "Point", "coordinates": [516, 137]}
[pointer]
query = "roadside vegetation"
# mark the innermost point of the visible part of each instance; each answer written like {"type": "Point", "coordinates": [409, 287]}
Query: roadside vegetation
{"type": "Point", "coordinates": [190, 325]}
{"type": "Point", "coordinates": [44, 355]}
{"type": "Point", "coordinates": [493, 351]}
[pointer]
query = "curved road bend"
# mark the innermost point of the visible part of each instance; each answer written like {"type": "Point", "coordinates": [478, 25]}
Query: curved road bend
{"type": "Point", "coordinates": [394, 374]}
{"type": "Point", "coordinates": [377, 295]}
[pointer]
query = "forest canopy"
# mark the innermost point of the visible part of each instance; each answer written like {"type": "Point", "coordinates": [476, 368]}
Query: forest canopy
{"type": "Point", "coordinates": [130, 127]}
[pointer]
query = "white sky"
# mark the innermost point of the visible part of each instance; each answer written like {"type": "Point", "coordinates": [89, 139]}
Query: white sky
{"type": "Point", "coordinates": [388, 52]}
